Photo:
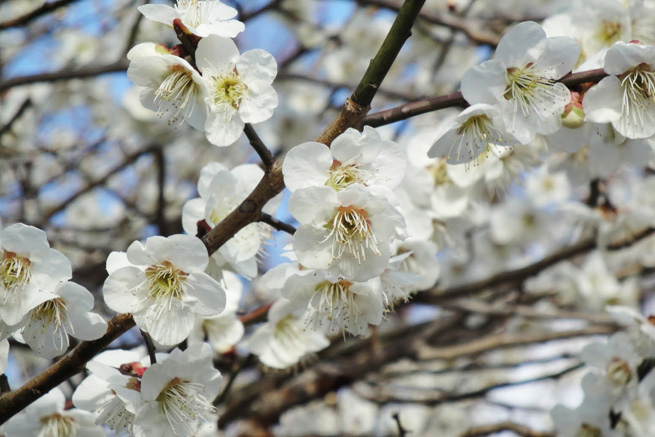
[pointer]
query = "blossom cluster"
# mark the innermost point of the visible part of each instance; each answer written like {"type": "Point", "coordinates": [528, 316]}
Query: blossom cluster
{"type": "Point", "coordinates": [39, 305]}
{"type": "Point", "coordinates": [381, 216]}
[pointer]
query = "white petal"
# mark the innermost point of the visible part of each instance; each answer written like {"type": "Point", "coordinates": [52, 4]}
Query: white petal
{"type": "Point", "coordinates": [305, 165]}
{"type": "Point", "coordinates": [602, 103]}
{"type": "Point", "coordinates": [485, 83]}
{"type": "Point", "coordinates": [260, 104]}
{"type": "Point", "coordinates": [159, 13]}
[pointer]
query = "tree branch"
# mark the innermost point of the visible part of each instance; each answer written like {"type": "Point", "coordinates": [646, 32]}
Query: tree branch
{"type": "Point", "coordinates": [46, 8]}
{"type": "Point", "coordinates": [408, 110]}
{"type": "Point", "coordinates": [356, 107]}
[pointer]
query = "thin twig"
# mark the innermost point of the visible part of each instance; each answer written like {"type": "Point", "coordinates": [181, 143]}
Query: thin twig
{"type": "Point", "coordinates": [277, 224]}
{"type": "Point", "coordinates": [4, 384]}
{"type": "Point", "coordinates": [516, 428]}
{"type": "Point", "coordinates": [152, 350]}
{"type": "Point", "coordinates": [259, 146]}
{"type": "Point", "coordinates": [34, 14]}
{"type": "Point", "coordinates": [408, 110]}
{"type": "Point", "coordinates": [402, 432]}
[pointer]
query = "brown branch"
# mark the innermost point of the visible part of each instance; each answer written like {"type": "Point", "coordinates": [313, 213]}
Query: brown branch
{"type": "Point", "coordinates": [510, 278]}
{"type": "Point", "coordinates": [258, 145]}
{"type": "Point", "coordinates": [443, 397]}
{"type": "Point", "coordinates": [277, 224]}
{"type": "Point", "coordinates": [408, 110]}
{"type": "Point", "coordinates": [23, 107]}
{"type": "Point", "coordinates": [516, 428]}
{"type": "Point", "coordinates": [71, 364]}
{"type": "Point", "coordinates": [357, 105]}
{"type": "Point", "coordinates": [470, 29]}
{"type": "Point", "coordinates": [56, 76]}
{"type": "Point", "coordinates": [502, 340]}
{"type": "Point", "coordinates": [46, 8]}
{"type": "Point", "coordinates": [128, 160]}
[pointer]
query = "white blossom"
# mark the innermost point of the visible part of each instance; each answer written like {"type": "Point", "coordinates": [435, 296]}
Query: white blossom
{"type": "Point", "coordinates": [239, 87]}
{"type": "Point", "coordinates": [522, 80]}
{"type": "Point", "coordinates": [202, 17]}
{"type": "Point", "coordinates": [164, 286]}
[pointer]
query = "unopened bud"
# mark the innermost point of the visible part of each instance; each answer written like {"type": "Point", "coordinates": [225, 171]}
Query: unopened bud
{"type": "Point", "coordinates": [573, 116]}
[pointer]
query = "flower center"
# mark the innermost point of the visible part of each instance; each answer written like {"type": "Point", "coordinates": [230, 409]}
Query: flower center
{"type": "Point", "coordinates": [14, 273]}
{"type": "Point", "coordinates": [618, 371]}
{"type": "Point", "coordinates": [610, 32]}
{"type": "Point", "coordinates": [527, 88]}
{"type": "Point", "coordinates": [333, 302]}
{"type": "Point", "coordinates": [165, 281]}
{"type": "Point", "coordinates": [351, 230]}
{"type": "Point", "coordinates": [228, 90]}
{"type": "Point", "coordinates": [475, 135]}
{"type": "Point", "coordinates": [587, 430]}
{"type": "Point", "coordinates": [343, 175]}
{"type": "Point", "coordinates": [183, 405]}
{"type": "Point", "coordinates": [53, 312]}
{"type": "Point", "coordinates": [638, 91]}
{"type": "Point", "coordinates": [178, 90]}
{"type": "Point", "coordinates": [57, 425]}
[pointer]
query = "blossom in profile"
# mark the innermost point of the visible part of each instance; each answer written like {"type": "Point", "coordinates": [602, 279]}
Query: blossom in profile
{"type": "Point", "coordinates": [178, 393]}
{"type": "Point", "coordinates": [283, 341]}
{"type": "Point", "coordinates": [334, 304]}
{"type": "Point", "coordinates": [522, 80]}
{"type": "Point", "coordinates": [626, 98]}
{"type": "Point", "coordinates": [28, 266]}
{"type": "Point", "coordinates": [113, 388]}
{"type": "Point", "coordinates": [202, 17]}
{"type": "Point", "coordinates": [47, 417]}
{"type": "Point", "coordinates": [474, 131]}
{"type": "Point", "coordinates": [239, 89]}
{"type": "Point", "coordinates": [171, 86]}
{"type": "Point", "coordinates": [66, 311]}
{"type": "Point", "coordinates": [164, 286]}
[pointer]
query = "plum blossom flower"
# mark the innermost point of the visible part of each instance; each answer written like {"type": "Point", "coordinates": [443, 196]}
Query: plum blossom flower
{"type": "Point", "coordinates": [221, 191]}
{"type": "Point", "coordinates": [627, 97]}
{"type": "Point", "coordinates": [333, 303]}
{"type": "Point", "coordinates": [172, 87]}
{"type": "Point", "coordinates": [238, 86]}
{"type": "Point", "coordinates": [353, 157]}
{"type": "Point", "coordinates": [178, 393]}
{"type": "Point", "coordinates": [47, 417]}
{"type": "Point", "coordinates": [522, 80]}
{"type": "Point", "coordinates": [113, 389]}
{"type": "Point", "coordinates": [202, 17]}
{"type": "Point", "coordinates": [27, 266]}
{"type": "Point", "coordinates": [163, 284]}
{"type": "Point", "coordinates": [282, 341]}
{"type": "Point", "coordinates": [473, 132]}
{"type": "Point", "coordinates": [64, 312]}
{"type": "Point", "coordinates": [353, 227]}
